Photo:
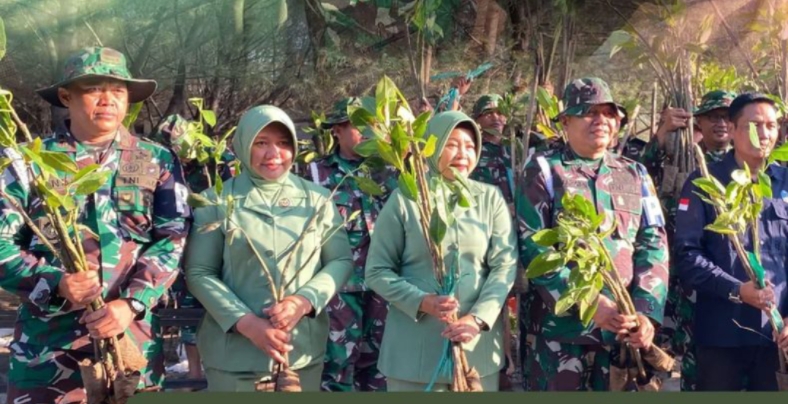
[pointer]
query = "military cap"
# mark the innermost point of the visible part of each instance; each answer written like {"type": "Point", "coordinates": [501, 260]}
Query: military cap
{"type": "Point", "coordinates": [486, 103]}
{"type": "Point", "coordinates": [98, 62]}
{"type": "Point", "coordinates": [714, 100]}
{"type": "Point", "coordinates": [581, 94]}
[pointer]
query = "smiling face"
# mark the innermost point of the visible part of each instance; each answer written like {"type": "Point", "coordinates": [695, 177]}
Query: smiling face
{"type": "Point", "coordinates": [714, 128]}
{"type": "Point", "coordinates": [590, 134]}
{"type": "Point", "coordinates": [458, 153]}
{"type": "Point", "coordinates": [271, 154]}
{"type": "Point", "coordinates": [96, 106]}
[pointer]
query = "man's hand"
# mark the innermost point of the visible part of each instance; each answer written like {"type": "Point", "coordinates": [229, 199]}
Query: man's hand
{"type": "Point", "coordinates": [109, 321]}
{"type": "Point", "coordinates": [286, 314]}
{"type": "Point", "coordinates": [80, 288]}
{"type": "Point", "coordinates": [463, 330]}
{"type": "Point", "coordinates": [761, 299]}
{"type": "Point", "coordinates": [274, 342]}
{"type": "Point", "coordinates": [608, 318]}
{"type": "Point", "coordinates": [644, 337]}
{"type": "Point", "coordinates": [672, 120]}
{"type": "Point", "coordinates": [462, 84]}
{"type": "Point", "coordinates": [440, 307]}
{"type": "Point", "coordinates": [782, 339]}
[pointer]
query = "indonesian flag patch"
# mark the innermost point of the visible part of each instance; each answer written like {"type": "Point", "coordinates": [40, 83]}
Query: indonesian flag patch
{"type": "Point", "coordinates": [684, 204]}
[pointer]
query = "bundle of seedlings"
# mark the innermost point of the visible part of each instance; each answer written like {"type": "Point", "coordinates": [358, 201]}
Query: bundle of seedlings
{"type": "Point", "coordinates": [738, 207]}
{"type": "Point", "coordinates": [282, 378]}
{"type": "Point", "coordinates": [62, 189]}
{"type": "Point", "coordinates": [578, 243]}
{"type": "Point", "coordinates": [400, 139]}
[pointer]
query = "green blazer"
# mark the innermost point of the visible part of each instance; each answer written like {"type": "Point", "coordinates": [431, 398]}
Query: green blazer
{"type": "Point", "coordinates": [225, 276]}
{"type": "Point", "coordinates": [399, 268]}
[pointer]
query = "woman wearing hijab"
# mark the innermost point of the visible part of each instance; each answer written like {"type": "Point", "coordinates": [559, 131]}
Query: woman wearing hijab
{"type": "Point", "coordinates": [245, 332]}
{"type": "Point", "coordinates": [480, 243]}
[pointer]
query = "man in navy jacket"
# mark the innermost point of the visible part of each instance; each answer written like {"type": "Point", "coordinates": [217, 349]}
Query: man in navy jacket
{"type": "Point", "coordinates": [733, 335]}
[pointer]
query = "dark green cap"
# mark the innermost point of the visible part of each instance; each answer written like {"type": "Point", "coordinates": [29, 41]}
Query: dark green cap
{"type": "Point", "coordinates": [98, 62]}
{"type": "Point", "coordinates": [714, 100]}
{"type": "Point", "coordinates": [340, 112]}
{"type": "Point", "coordinates": [486, 103]}
{"type": "Point", "coordinates": [581, 94]}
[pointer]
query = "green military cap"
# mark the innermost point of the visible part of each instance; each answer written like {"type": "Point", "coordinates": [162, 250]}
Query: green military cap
{"type": "Point", "coordinates": [486, 103]}
{"type": "Point", "coordinates": [714, 100]}
{"type": "Point", "coordinates": [581, 94]}
{"type": "Point", "coordinates": [98, 62]}
{"type": "Point", "coordinates": [340, 112]}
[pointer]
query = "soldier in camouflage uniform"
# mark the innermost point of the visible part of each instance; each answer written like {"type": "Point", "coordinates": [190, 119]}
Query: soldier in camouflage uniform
{"type": "Point", "coordinates": [198, 177]}
{"type": "Point", "coordinates": [356, 313]}
{"type": "Point", "coordinates": [712, 123]}
{"type": "Point", "coordinates": [565, 355]}
{"type": "Point", "coordinates": [137, 222]}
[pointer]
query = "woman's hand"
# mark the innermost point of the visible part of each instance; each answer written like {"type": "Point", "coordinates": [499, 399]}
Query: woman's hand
{"type": "Point", "coordinates": [286, 314]}
{"type": "Point", "coordinates": [463, 330]}
{"type": "Point", "coordinates": [441, 307]}
{"type": "Point", "coordinates": [274, 342]}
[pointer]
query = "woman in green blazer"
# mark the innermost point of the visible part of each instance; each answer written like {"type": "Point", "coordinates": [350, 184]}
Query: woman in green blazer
{"type": "Point", "coordinates": [399, 268]}
{"type": "Point", "coordinates": [245, 332]}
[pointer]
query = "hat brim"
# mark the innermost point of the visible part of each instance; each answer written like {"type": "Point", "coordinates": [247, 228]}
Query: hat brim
{"type": "Point", "coordinates": [139, 89]}
{"type": "Point", "coordinates": [706, 111]}
{"type": "Point", "coordinates": [620, 108]}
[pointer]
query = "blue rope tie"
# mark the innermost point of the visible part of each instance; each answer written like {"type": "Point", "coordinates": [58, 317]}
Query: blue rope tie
{"type": "Point", "coordinates": [445, 365]}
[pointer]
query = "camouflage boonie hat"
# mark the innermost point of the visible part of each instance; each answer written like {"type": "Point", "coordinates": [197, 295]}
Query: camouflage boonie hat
{"type": "Point", "coordinates": [581, 94]}
{"type": "Point", "coordinates": [98, 62]}
{"type": "Point", "coordinates": [714, 100]}
{"type": "Point", "coordinates": [339, 113]}
{"type": "Point", "coordinates": [170, 131]}
{"type": "Point", "coordinates": [486, 103]}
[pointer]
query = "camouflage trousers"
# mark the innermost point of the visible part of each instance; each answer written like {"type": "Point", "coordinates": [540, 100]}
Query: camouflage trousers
{"type": "Point", "coordinates": [560, 366]}
{"type": "Point", "coordinates": [40, 374]}
{"type": "Point", "coordinates": [355, 333]}
{"type": "Point", "coordinates": [675, 334]}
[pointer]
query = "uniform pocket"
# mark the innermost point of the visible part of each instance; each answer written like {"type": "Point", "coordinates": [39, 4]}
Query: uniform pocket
{"type": "Point", "coordinates": [134, 206]}
{"type": "Point", "coordinates": [627, 209]}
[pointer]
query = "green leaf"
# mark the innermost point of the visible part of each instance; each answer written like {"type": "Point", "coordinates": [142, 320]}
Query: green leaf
{"type": "Point", "coordinates": [740, 177]}
{"type": "Point", "coordinates": [4, 163]}
{"type": "Point", "coordinates": [429, 148]}
{"type": "Point", "coordinates": [59, 161]}
{"type": "Point", "coordinates": [388, 154]}
{"type": "Point", "coordinates": [437, 227]}
{"type": "Point", "coordinates": [399, 139]}
{"type": "Point", "coordinates": [132, 114]}
{"type": "Point", "coordinates": [779, 154]}
{"type": "Point", "coordinates": [85, 171]}
{"type": "Point", "coordinates": [198, 201]}
{"type": "Point", "coordinates": [218, 184]}
{"type": "Point", "coordinates": [420, 124]}
{"type": "Point", "coordinates": [720, 229]}
{"type": "Point", "coordinates": [545, 263]}
{"type": "Point", "coordinates": [209, 117]}
{"type": "Point", "coordinates": [754, 140]}
{"type": "Point", "coordinates": [361, 118]}
{"type": "Point", "coordinates": [34, 157]}
{"type": "Point", "coordinates": [2, 39]}
{"type": "Point", "coordinates": [712, 187]}
{"type": "Point", "coordinates": [546, 237]}
{"type": "Point", "coordinates": [92, 182]}
{"type": "Point", "coordinates": [765, 185]}
{"type": "Point", "coordinates": [367, 148]}
{"type": "Point", "coordinates": [567, 300]}
{"type": "Point", "coordinates": [407, 185]}
{"type": "Point", "coordinates": [368, 186]}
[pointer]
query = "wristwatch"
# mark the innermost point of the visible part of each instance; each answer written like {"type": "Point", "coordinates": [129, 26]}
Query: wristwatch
{"type": "Point", "coordinates": [735, 295]}
{"type": "Point", "coordinates": [482, 325]}
{"type": "Point", "coordinates": [136, 307]}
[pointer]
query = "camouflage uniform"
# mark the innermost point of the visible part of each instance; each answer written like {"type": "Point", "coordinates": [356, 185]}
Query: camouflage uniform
{"type": "Point", "coordinates": [564, 355]}
{"type": "Point", "coordinates": [141, 219]}
{"type": "Point", "coordinates": [676, 333]}
{"type": "Point", "coordinates": [356, 314]}
{"type": "Point", "coordinates": [169, 133]}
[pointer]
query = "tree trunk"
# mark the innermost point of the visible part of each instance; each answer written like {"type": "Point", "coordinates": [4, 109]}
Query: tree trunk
{"type": "Point", "coordinates": [316, 24]}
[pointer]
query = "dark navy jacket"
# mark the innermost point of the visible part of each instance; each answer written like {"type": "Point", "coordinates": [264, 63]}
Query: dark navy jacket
{"type": "Point", "coordinates": [707, 263]}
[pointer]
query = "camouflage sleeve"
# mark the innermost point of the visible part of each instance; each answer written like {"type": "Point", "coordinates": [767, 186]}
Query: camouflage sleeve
{"type": "Point", "coordinates": [534, 209]}
{"type": "Point", "coordinates": [649, 286]}
{"type": "Point", "coordinates": [501, 259]}
{"type": "Point", "coordinates": [337, 261]}
{"type": "Point", "coordinates": [652, 158]}
{"type": "Point", "coordinates": [382, 272]}
{"type": "Point", "coordinates": [157, 267]}
{"type": "Point", "coordinates": [21, 272]}
{"type": "Point", "coordinates": [225, 168]}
